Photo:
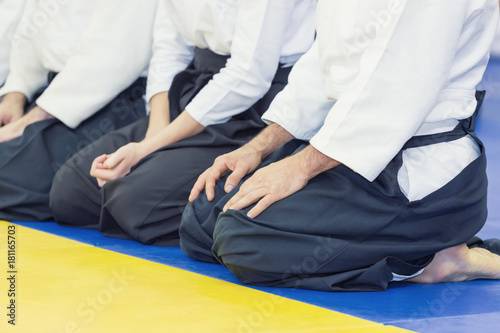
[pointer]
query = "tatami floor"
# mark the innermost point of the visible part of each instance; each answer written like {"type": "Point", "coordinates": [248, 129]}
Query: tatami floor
{"type": "Point", "coordinates": [75, 281]}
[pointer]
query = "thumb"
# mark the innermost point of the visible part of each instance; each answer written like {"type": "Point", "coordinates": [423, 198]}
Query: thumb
{"type": "Point", "coordinates": [98, 161]}
{"type": "Point", "coordinates": [113, 160]}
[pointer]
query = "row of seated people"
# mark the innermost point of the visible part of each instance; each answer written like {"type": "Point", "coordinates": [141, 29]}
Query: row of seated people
{"type": "Point", "coordinates": [322, 144]}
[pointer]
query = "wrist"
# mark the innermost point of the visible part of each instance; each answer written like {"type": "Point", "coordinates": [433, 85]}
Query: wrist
{"type": "Point", "coordinates": [312, 162]}
{"type": "Point", "coordinates": [39, 114]}
{"type": "Point", "coordinates": [254, 150]}
{"type": "Point", "coordinates": [143, 149]}
{"type": "Point", "coordinates": [15, 99]}
{"type": "Point", "coordinates": [270, 139]}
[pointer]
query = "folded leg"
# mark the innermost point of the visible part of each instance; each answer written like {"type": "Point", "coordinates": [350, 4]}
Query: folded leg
{"type": "Point", "coordinates": [75, 197]}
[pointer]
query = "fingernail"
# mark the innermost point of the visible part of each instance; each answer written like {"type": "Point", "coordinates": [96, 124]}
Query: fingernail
{"type": "Point", "coordinates": [250, 215]}
{"type": "Point", "coordinates": [229, 188]}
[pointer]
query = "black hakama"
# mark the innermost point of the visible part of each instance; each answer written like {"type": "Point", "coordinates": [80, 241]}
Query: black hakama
{"type": "Point", "coordinates": [28, 163]}
{"type": "Point", "coordinates": [147, 204]}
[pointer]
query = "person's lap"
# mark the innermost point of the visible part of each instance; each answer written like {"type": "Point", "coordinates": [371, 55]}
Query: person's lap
{"type": "Point", "coordinates": [29, 163]}
{"type": "Point", "coordinates": [332, 233]}
{"type": "Point", "coordinates": [75, 197]}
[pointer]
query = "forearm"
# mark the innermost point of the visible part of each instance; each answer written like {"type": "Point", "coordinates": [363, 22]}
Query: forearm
{"type": "Point", "coordinates": [15, 99]}
{"type": "Point", "coordinates": [159, 117]}
{"type": "Point", "coordinates": [182, 127]}
{"type": "Point", "coordinates": [102, 65]}
{"type": "Point", "coordinates": [269, 140]}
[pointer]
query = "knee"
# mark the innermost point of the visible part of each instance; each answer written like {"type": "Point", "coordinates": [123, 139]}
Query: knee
{"type": "Point", "coordinates": [188, 232]}
{"type": "Point", "coordinates": [123, 201]}
{"type": "Point", "coordinates": [64, 195]}
{"type": "Point", "coordinates": [136, 212]}
{"type": "Point", "coordinates": [241, 248]}
{"type": "Point", "coordinates": [196, 234]}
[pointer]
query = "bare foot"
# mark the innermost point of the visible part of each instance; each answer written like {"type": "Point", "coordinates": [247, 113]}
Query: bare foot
{"type": "Point", "coordinates": [459, 263]}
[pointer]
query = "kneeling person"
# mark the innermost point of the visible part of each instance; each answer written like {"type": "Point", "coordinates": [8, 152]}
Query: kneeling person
{"type": "Point", "coordinates": [89, 76]}
{"type": "Point", "coordinates": [372, 172]}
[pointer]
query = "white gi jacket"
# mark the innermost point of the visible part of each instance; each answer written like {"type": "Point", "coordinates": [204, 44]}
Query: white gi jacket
{"type": "Point", "coordinates": [10, 13]}
{"type": "Point", "coordinates": [99, 48]}
{"type": "Point", "coordinates": [384, 71]}
{"type": "Point", "coordinates": [258, 34]}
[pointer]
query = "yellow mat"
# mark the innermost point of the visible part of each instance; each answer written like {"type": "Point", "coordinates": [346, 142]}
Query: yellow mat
{"type": "Point", "coordinates": [52, 284]}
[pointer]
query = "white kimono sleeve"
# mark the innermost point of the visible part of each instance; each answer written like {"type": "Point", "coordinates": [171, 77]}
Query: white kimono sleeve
{"type": "Point", "coordinates": [171, 53]}
{"type": "Point", "coordinates": [301, 107]}
{"type": "Point", "coordinates": [26, 73]}
{"type": "Point", "coordinates": [10, 13]}
{"type": "Point", "coordinates": [112, 53]}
